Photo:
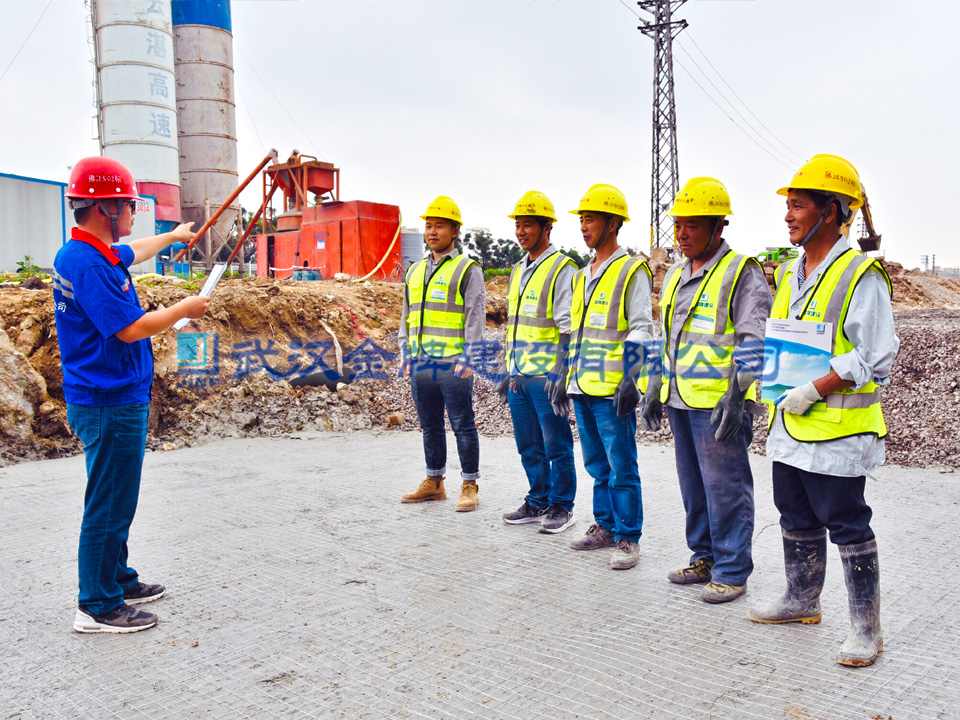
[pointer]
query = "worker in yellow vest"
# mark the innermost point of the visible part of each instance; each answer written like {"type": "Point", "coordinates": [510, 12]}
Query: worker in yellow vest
{"type": "Point", "coordinates": [713, 308]}
{"type": "Point", "coordinates": [441, 330]}
{"type": "Point", "coordinates": [826, 435]}
{"type": "Point", "coordinates": [534, 378]}
{"type": "Point", "coordinates": [611, 319]}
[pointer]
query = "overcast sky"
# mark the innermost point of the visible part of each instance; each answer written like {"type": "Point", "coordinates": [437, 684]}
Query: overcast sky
{"type": "Point", "coordinates": [483, 101]}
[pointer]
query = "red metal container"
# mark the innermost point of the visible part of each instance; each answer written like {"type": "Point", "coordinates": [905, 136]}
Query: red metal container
{"type": "Point", "coordinates": [335, 237]}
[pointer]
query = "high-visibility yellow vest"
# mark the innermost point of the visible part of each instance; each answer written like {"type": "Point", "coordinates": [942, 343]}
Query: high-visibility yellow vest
{"type": "Point", "coordinates": [436, 319]}
{"type": "Point", "coordinates": [601, 327]}
{"type": "Point", "coordinates": [702, 360]}
{"type": "Point", "coordinates": [847, 412]}
{"type": "Point", "coordinates": [532, 334]}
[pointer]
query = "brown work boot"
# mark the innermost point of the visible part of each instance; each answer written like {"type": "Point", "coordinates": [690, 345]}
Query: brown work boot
{"type": "Point", "coordinates": [714, 592]}
{"type": "Point", "coordinates": [468, 497]}
{"type": "Point", "coordinates": [430, 489]}
{"type": "Point", "coordinates": [698, 572]}
{"type": "Point", "coordinates": [596, 538]}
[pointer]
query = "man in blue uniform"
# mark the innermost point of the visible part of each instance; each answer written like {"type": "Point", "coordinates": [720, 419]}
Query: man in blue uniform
{"type": "Point", "coordinates": [107, 360]}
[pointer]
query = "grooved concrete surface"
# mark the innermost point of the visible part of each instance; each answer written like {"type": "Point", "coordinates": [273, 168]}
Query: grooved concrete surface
{"type": "Point", "coordinates": [300, 587]}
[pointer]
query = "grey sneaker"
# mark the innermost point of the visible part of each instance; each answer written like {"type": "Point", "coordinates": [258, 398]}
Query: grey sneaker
{"type": "Point", "coordinates": [143, 593]}
{"type": "Point", "coordinates": [698, 572]}
{"type": "Point", "coordinates": [596, 538]}
{"type": "Point", "coordinates": [124, 619]}
{"type": "Point", "coordinates": [526, 513]}
{"type": "Point", "coordinates": [626, 555]}
{"type": "Point", "coordinates": [557, 520]}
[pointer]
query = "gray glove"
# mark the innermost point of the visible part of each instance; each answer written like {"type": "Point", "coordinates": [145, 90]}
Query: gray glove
{"type": "Point", "coordinates": [556, 387]}
{"type": "Point", "coordinates": [627, 395]}
{"type": "Point", "coordinates": [502, 386]}
{"type": "Point", "coordinates": [651, 411]}
{"type": "Point", "coordinates": [729, 411]}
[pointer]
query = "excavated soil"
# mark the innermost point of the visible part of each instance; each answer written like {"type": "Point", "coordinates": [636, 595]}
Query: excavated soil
{"type": "Point", "coordinates": [274, 357]}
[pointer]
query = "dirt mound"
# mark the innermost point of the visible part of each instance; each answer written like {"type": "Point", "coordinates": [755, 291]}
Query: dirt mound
{"type": "Point", "coordinates": [273, 357]}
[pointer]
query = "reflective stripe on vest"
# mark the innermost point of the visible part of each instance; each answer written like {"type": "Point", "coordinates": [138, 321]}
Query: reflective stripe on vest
{"type": "Point", "coordinates": [702, 361]}
{"type": "Point", "coordinates": [436, 320]}
{"type": "Point", "coordinates": [532, 334]}
{"type": "Point", "coordinates": [601, 327]}
{"type": "Point", "coordinates": [847, 412]}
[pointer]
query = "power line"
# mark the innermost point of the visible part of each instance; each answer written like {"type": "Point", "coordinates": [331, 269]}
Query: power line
{"type": "Point", "coordinates": [29, 34]}
{"type": "Point", "coordinates": [798, 155]}
{"type": "Point", "coordinates": [789, 164]}
{"type": "Point", "coordinates": [246, 105]}
{"type": "Point", "coordinates": [732, 106]}
{"type": "Point", "coordinates": [284, 108]}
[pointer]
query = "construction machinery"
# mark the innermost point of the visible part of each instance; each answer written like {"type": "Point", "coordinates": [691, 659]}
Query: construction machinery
{"type": "Point", "coordinates": [316, 235]}
{"type": "Point", "coordinates": [869, 240]}
{"type": "Point", "coordinates": [777, 254]}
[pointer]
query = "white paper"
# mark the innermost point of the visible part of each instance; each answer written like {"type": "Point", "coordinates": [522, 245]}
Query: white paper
{"type": "Point", "coordinates": [212, 279]}
{"type": "Point", "coordinates": [795, 352]}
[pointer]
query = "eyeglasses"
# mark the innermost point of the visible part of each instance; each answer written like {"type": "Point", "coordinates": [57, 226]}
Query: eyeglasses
{"type": "Point", "coordinates": [133, 205]}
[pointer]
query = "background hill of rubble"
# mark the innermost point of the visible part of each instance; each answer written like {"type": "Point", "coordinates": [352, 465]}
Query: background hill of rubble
{"type": "Point", "coordinates": [267, 358]}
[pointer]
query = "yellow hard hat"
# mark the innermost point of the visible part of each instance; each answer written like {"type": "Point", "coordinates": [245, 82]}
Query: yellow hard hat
{"type": "Point", "coordinates": [443, 207]}
{"type": "Point", "coordinates": [701, 196]}
{"type": "Point", "coordinates": [605, 199]}
{"type": "Point", "coordinates": [534, 203]}
{"type": "Point", "coordinates": [828, 174]}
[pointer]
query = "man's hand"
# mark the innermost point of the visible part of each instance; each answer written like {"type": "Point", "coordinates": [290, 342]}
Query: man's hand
{"type": "Point", "coordinates": [556, 390]}
{"type": "Point", "coordinates": [626, 397]}
{"type": "Point", "coordinates": [651, 411]}
{"type": "Point", "coordinates": [193, 307]}
{"type": "Point", "coordinates": [183, 233]}
{"type": "Point", "coordinates": [502, 387]}
{"type": "Point", "coordinates": [462, 369]}
{"type": "Point", "coordinates": [729, 411]}
{"type": "Point", "coordinates": [405, 364]}
{"type": "Point", "coordinates": [798, 400]}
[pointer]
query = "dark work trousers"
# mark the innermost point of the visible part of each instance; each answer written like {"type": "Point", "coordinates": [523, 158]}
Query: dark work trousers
{"type": "Point", "coordinates": [717, 489]}
{"type": "Point", "coordinates": [810, 501]}
{"type": "Point", "coordinates": [435, 387]}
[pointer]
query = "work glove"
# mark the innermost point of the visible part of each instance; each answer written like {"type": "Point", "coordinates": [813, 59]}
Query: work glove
{"type": "Point", "coordinates": [651, 411]}
{"type": "Point", "coordinates": [502, 386]}
{"type": "Point", "coordinates": [798, 400]}
{"type": "Point", "coordinates": [556, 387]}
{"type": "Point", "coordinates": [729, 411]}
{"type": "Point", "coordinates": [627, 395]}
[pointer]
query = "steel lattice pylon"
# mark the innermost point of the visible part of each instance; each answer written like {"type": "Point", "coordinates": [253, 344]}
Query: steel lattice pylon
{"type": "Point", "coordinates": [664, 176]}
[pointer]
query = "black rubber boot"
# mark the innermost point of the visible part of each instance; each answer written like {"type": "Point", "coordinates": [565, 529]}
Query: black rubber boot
{"type": "Point", "coordinates": [805, 564]}
{"type": "Point", "coordinates": [861, 571]}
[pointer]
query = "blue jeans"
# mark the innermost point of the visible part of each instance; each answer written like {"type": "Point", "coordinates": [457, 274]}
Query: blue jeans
{"type": "Point", "coordinates": [810, 501]}
{"type": "Point", "coordinates": [114, 441]}
{"type": "Point", "coordinates": [717, 488]}
{"type": "Point", "coordinates": [610, 456]}
{"type": "Point", "coordinates": [435, 387]}
{"type": "Point", "coordinates": [545, 444]}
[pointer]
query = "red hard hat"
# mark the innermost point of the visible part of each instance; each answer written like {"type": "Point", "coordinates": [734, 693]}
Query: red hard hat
{"type": "Point", "coordinates": [100, 178]}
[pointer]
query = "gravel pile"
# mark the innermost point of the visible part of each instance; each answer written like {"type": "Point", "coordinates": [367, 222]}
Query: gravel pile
{"type": "Point", "coordinates": [921, 404]}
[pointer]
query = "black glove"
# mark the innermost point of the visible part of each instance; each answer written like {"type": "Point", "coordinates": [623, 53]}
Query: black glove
{"type": "Point", "coordinates": [651, 411]}
{"type": "Point", "coordinates": [556, 387]}
{"type": "Point", "coordinates": [729, 411]}
{"type": "Point", "coordinates": [627, 395]}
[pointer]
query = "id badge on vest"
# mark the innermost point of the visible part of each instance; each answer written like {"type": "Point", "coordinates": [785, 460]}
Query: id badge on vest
{"type": "Point", "coordinates": [438, 294]}
{"type": "Point", "coordinates": [701, 323]}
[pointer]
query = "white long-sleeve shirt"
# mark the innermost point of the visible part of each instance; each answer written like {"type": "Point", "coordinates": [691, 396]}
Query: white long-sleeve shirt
{"type": "Point", "coordinates": [869, 326]}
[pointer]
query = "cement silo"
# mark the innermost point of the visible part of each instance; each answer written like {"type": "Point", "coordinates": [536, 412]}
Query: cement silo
{"type": "Point", "coordinates": [136, 93]}
{"type": "Point", "coordinates": [207, 111]}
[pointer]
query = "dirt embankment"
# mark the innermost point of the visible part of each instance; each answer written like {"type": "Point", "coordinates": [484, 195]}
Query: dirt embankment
{"type": "Point", "coordinates": [267, 358]}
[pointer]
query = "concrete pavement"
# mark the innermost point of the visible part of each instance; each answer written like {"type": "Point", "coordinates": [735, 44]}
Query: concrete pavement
{"type": "Point", "coordinates": [300, 587]}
